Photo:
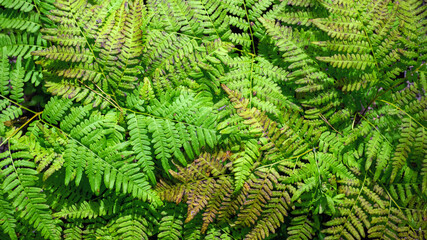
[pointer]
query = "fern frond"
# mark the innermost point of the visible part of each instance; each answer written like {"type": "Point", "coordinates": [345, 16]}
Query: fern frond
{"type": "Point", "coordinates": [141, 144]}
{"type": "Point", "coordinates": [56, 109]}
{"type": "Point", "coordinates": [21, 5]}
{"type": "Point", "coordinates": [301, 227]}
{"type": "Point", "coordinates": [272, 217]}
{"type": "Point", "coordinates": [210, 188]}
{"type": "Point", "coordinates": [260, 193]}
{"type": "Point", "coordinates": [14, 76]}
{"type": "Point", "coordinates": [67, 54]}
{"type": "Point", "coordinates": [297, 18]}
{"type": "Point", "coordinates": [17, 20]}
{"type": "Point", "coordinates": [7, 218]}
{"type": "Point", "coordinates": [192, 231]}
{"type": "Point", "coordinates": [174, 126]}
{"type": "Point", "coordinates": [130, 227]}
{"type": "Point", "coordinates": [303, 68]}
{"type": "Point", "coordinates": [403, 148]}
{"type": "Point", "coordinates": [129, 222]}
{"type": "Point", "coordinates": [7, 115]}
{"type": "Point", "coordinates": [239, 112]}
{"type": "Point", "coordinates": [265, 92]}
{"type": "Point", "coordinates": [90, 60]}
{"type": "Point", "coordinates": [377, 30]}
{"type": "Point", "coordinates": [73, 232]}
{"type": "Point", "coordinates": [342, 28]}
{"type": "Point", "coordinates": [342, 7]}
{"type": "Point", "coordinates": [49, 161]}
{"type": "Point", "coordinates": [412, 26]}
{"type": "Point", "coordinates": [21, 44]}
{"type": "Point", "coordinates": [101, 159]}
{"type": "Point", "coordinates": [223, 189]}
{"type": "Point", "coordinates": [274, 139]}
{"type": "Point", "coordinates": [4, 76]}
{"type": "Point", "coordinates": [86, 210]}
{"type": "Point", "coordinates": [20, 178]}
{"type": "Point", "coordinates": [181, 16]}
{"type": "Point", "coordinates": [370, 209]}
{"type": "Point", "coordinates": [171, 224]}
{"type": "Point", "coordinates": [345, 46]}
{"type": "Point", "coordinates": [243, 163]}
{"type": "Point", "coordinates": [17, 82]}
{"type": "Point", "coordinates": [218, 232]}
{"type": "Point", "coordinates": [200, 179]}
{"type": "Point", "coordinates": [349, 61]}
{"type": "Point", "coordinates": [303, 3]}
{"type": "Point", "coordinates": [18, 47]}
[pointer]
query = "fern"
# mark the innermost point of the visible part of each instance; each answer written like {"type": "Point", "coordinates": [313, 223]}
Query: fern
{"type": "Point", "coordinates": [18, 20]}
{"type": "Point", "coordinates": [213, 119]}
{"type": "Point", "coordinates": [8, 222]}
{"type": "Point", "coordinates": [19, 177]}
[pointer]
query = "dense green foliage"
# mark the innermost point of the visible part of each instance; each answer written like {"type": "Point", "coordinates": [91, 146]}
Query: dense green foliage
{"type": "Point", "coordinates": [213, 119]}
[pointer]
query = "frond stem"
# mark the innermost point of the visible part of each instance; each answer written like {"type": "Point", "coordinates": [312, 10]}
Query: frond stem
{"type": "Point", "coordinates": [398, 108]}
{"type": "Point", "coordinates": [22, 126]}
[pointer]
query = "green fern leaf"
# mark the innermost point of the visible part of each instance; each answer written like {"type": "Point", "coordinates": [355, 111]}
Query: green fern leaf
{"type": "Point", "coordinates": [131, 227]}
{"type": "Point", "coordinates": [8, 114]}
{"type": "Point", "coordinates": [141, 144]}
{"type": "Point", "coordinates": [19, 178]}
{"type": "Point", "coordinates": [55, 110]}
{"type": "Point", "coordinates": [17, 82]}
{"type": "Point", "coordinates": [170, 225]}
{"type": "Point", "coordinates": [301, 227]}
{"type": "Point", "coordinates": [403, 148]}
{"type": "Point", "coordinates": [10, 19]}
{"type": "Point", "coordinates": [4, 76]}
{"type": "Point", "coordinates": [7, 218]}
{"type": "Point", "coordinates": [22, 5]}
{"type": "Point", "coordinates": [244, 163]}
{"type": "Point", "coordinates": [102, 159]}
{"type": "Point", "coordinates": [260, 193]}
{"type": "Point", "coordinates": [349, 61]}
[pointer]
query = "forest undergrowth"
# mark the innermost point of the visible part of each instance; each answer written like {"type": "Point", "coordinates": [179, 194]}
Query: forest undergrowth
{"type": "Point", "coordinates": [213, 119]}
